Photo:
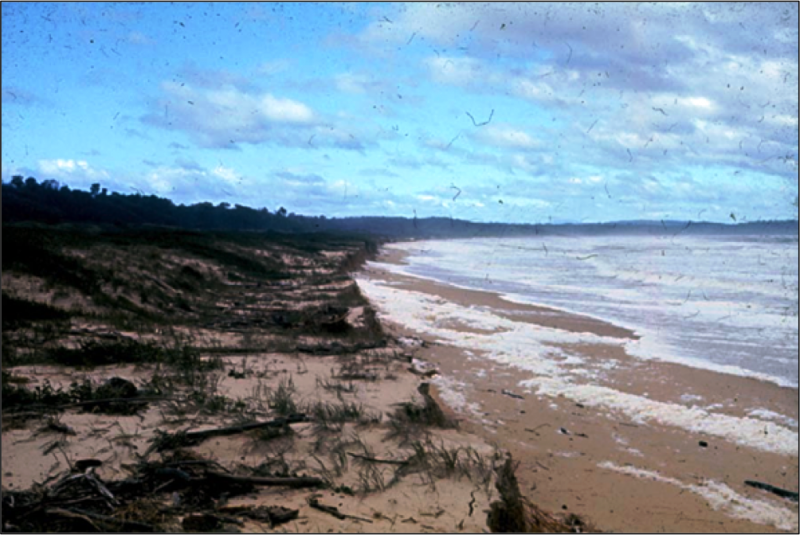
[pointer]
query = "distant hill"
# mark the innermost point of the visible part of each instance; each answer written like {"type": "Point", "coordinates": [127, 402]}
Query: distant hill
{"type": "Point", "coordinates": [26, 200]}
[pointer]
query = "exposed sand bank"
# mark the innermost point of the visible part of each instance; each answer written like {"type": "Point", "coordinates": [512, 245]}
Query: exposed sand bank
{"type": "Point", "coordinates": [631, 458]}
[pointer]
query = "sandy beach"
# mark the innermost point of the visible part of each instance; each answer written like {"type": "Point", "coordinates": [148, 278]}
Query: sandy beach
{"type": "Point", "coordinates": [620, 472]}
{"type": "Point", "coordinates": [263, 405]}
{"type": "Point", "coordinates": [412, 504]}
{"type": "Point", "coordinates": [400, 425]}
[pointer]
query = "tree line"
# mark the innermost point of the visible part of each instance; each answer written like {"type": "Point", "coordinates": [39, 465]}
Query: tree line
{"type": "Point", "coordinates": [52, 203]}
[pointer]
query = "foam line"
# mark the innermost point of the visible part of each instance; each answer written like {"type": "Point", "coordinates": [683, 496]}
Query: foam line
{"type": "Point", "coordinates": [721, 498]}
{"type": "Point", "coordinates": [557, 373]}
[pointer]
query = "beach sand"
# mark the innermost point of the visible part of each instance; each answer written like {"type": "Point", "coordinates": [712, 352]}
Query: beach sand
{"type": "Point", "coordinates": [416, 503]}
{"type": "Point", "coordinates": [304, 345]}
{"type": "Point", "coordinates": [620, 473]}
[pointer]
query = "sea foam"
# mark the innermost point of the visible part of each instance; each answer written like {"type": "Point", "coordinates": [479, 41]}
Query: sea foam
{"type": "Point", "coordinates": [721, 498]}
{"type": "Point", "coordinates": [539, 350]}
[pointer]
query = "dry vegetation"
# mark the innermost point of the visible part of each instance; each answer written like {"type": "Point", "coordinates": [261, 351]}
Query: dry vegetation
{"type": "Point", "coordinates": [179, 381]}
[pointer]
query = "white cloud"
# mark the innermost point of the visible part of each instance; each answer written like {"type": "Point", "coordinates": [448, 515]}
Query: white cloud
{"type": "Point", "coordinates": [285, 110]}
{"type": "Point", "coordinates": [531, 90]}
{"type": "Point", "coordinates": [506, 136]}
{"type": "Point", "coordinates": [227, 116]}
{"type": "Point", "coordinates": [521, 161]}
{"type": "Point", "coordinates": [672, 104]}
{"type": "Point", "coordinates": [68, 168]}
{"type": "Point", "coordinates": [783, 120]}
{"type": "Point", "coordinates": [227, 174]}
{"type": "Point", "coordinates": [528, 202]}
{"type": "Point", "coordinates": [699, 102]}
{"type": "Point", "coordinates": [460, 71]}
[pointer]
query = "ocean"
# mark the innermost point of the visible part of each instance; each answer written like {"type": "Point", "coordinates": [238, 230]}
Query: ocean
{"type": "Point", "coordinates": [727, 304]}
{"type": "Point", "coordinates": [722, 303]}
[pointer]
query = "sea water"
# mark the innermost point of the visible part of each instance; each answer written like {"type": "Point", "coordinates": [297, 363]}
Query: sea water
{"type": "Point", "coordinates": [725, 304]}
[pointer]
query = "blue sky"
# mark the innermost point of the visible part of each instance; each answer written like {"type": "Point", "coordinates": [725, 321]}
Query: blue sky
{"type": "Point", "coordinates": [488, 112]}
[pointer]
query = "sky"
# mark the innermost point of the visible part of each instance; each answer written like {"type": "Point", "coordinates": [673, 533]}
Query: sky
{"type": "Point", "coordinates": [518, 113]}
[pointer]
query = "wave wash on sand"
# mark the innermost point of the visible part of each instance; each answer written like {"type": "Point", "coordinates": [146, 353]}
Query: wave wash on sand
{"type": "Point", "coordinates": [556, 372]}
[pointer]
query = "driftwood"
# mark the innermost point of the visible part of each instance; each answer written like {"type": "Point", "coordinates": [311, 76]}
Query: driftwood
{"type": "Point", "coordinates": [783, 493]}
{"type": "Point", "coordinates": [93, 402]}
{"type": "Point", "coordinates": [168, 441]}
{"type": "Point", "coordinates": [198, 462]}
{"type": "Point", "coordinates": [375, 460]}
{"type": "Point", "coordinates": [99, 486]}
{"type": "Point", "coordinates": [60, 428]}
{"type": "Point", "coordinates": [81, 465]}
{"type": "Point", "coordinates": [512, 394]}
{"type": "Point", "coordinates": [293, 482]}
{"type": "Point", "coordinates": [55, 509]}
{"type": "Point", "coordinates": [334, 511]}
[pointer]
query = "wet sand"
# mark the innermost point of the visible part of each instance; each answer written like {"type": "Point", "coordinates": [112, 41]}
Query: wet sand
{"type": "Point", "coordinates": [620, 473]}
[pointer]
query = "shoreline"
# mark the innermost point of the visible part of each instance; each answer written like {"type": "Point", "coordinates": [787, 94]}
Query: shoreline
{"type": "Point", "coordinates": [505, 302]}
{"type": "Point", "coordinates": [610, 466]}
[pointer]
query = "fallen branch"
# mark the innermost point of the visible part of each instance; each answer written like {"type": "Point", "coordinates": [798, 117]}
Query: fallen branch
{"type": "Point", "coordinates": [293, 482]}
{"type": "Point", "coordinates": [144, 399]}
{"type": "Point", "coordinates": [380, 461]}
{"type": "Point", "coordinates": [193, 437]}
{"type": "Point", "coordinates": [198, 463]}
{"type": "Point", "coordinates": [60, 428]}
{"type": "Point", "coordinates": [99, 486]}
{"type": "Point", "coordinates": [334, 511]}
{"type": "Point", "coordinates": [783, 493]}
